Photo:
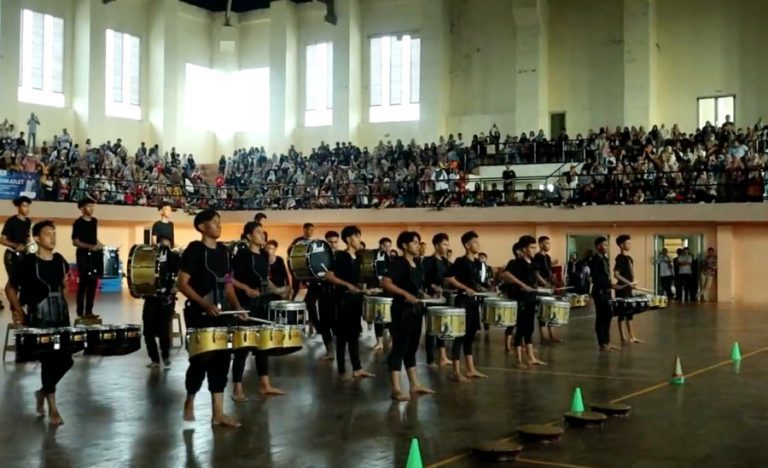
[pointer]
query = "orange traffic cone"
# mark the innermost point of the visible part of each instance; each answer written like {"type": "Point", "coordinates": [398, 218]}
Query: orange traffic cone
{"type": "Point", "coordinates": [678, 378]}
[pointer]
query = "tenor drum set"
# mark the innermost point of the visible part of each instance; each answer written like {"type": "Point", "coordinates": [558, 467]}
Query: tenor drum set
{"type": "Point", "coordinates": [94, 340]}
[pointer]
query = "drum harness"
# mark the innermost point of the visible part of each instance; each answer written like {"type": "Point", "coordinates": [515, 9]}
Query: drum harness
{"type": "Point", "coordinates": [52, 309]}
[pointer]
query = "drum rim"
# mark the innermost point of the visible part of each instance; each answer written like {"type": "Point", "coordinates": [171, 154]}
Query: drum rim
{"type": "Point", "coordinates": [288, 305]}
{"type": "Point", "coordinates": [379, 299]}
{"type": "Point", "coordinates": [449, 311]}
{"type": "Point", "coordinates": [505, 303]}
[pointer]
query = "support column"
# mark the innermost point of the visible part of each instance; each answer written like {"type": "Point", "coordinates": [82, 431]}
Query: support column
{"type": "Point", "coordinates": [726, 253]}
{"type": "Point", "coordinates": [532, 49]}
{"type": "Point", "coordinates": [283, 74]}
{"type": "Point", "coordinates": [224, 59]}
{"type": "Point", "coordinates": [347, 64]}
{"type": "Point", "coordinates": [163, 80]}
{"type": "Point", "coordinates": [10, 60]}
{"type": "Point", "coordinates": [640, 59]}
{"type": "Point", "coordinates": [435, 66]}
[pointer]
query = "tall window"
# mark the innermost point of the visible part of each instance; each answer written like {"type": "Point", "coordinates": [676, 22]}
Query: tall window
{"type": "Point", "coordinates": [395, 76]}
{"type": "Point", "coordinates": [42, 59]}
{"type": "Point", "coordinates": [123, 75]}
{"type": "Point", "coordinates": [319, 85]}
{"type": "Point", "coordinates": [715, 110]}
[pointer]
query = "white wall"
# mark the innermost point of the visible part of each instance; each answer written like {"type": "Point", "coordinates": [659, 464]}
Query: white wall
{"type": "Point", "coordinates": [469, 65]}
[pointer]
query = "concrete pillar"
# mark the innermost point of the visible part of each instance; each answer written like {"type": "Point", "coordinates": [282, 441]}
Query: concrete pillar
{"type": "Point", "coordinates": [640, 59]}
{"type": "Point", "coordinates": [225, 59]}
{"type": "Point", "coordinates": [163, 82]}
{"type": "Point", "coordinates": [347, 66]}
{"type": "Point", "coordinates": [726, 253]}
{"type": "Point", "coordinates": [10, 31]}
{"type": "Point", "coordinates": [532, 56]}
{"type": "Point", "coordinates": [283, 74]}
{"type": "Point", "coordinates": [435, 67]}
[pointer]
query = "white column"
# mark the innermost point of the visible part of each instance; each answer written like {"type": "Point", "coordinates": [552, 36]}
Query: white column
{"type": "Point", "coordinates": [347, 66]}
{"type": "Point", "coordinates": [435, 67]}
{"type": "Point", "coordinates": [225, 58]}
{"type": "Point", "coordinates": [163, 82]}
{"type": "Point", "coordinates": [10, 61]}
{"type": "Point", "coordinates": [640, 58]}
{"type": "Point", "coordinates": [532, 55]}
{"type": "Point", "coordinates": [283, 75]}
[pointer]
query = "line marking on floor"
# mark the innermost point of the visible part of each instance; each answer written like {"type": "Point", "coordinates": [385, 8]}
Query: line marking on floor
{"type": "Point", "coordinates": [562, 374]}
{"type": "Point", "coordinates": [531, 461]}
{"type": "Point", "coordinates": [643, 391]}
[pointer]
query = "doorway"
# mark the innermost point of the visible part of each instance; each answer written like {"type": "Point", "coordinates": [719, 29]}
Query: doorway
{"type": "Point", "coordinates": [582, 246]}
{"type": "Point", "coordinates": [556, 124]}
{"type": "Point", "coordinates": [674, 243]}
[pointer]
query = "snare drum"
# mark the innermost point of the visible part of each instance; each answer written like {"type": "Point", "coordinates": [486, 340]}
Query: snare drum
{"type": "Point", "coordinates": [446, 322]}
{"type": "Point", "coordinates": [377, 309]}
{"type": "Point", "coordinates": [151, 270]}
{"type": "Point", "coordinates": [271, 337]}
{"type": "Point", "coordinates": [206, 340]}
{"type": "Point", "coordinates": [90, 263]}
{"type": "Point", "coordinates": [310, 259]}
{"type": "Point", "coordinates": [642, 303]}
{"type": "Point", "coordinates": [500, 313]}
{"type": "Point", "coordinates": [245, 338]}
{"type": "Point", "coordinates": [555, 313]}
{"type": "Point", "coordinates": [622, 307]}
{"type": "Point", "coordinates": [287, 313]}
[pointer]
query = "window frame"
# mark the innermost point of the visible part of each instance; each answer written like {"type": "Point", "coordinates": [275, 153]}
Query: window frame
{"type": "Point", "coordinates": [46, 94]}
{"type": "Point", "coordinates": [383, 107]}
{"type": "Point", "coordinates": [715, 98]}
{"type": "Point", "coordinates": [125, 108]}
{"type": "Point", "coordinates": [319, 117]}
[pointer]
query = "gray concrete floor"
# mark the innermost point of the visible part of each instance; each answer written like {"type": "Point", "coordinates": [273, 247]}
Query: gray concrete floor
{"type": "Point", "coordinates": [119, 413]}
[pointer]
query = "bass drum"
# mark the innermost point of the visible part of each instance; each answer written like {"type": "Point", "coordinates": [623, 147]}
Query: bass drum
{"type": "Point", "coordinates": [310, 259]}
{"type": "Point", "coordinates": [152, 270]}
{"type": "Point", "coordinates": [367, 260]}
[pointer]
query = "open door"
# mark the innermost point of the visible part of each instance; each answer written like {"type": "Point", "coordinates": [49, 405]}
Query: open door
{"type": "Point", "coordinates": [673, 242]}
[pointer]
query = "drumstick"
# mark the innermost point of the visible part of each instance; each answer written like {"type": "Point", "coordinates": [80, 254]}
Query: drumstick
{"type": "Point", "coordinates": [645, 290]}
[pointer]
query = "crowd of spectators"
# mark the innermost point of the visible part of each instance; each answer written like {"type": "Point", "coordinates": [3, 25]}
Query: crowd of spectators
{"type": "Point", "coordinates": [613, 166]}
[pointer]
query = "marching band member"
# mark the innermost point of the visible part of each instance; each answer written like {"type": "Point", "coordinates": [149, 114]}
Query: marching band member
{"type": "Point", "coordinates": [162, 230]}
{"type": "Point", "coordinates": [85, 239]}
{"type": "Point", "coordinates": [345, 275]}
{"type": "Point", "coordinates": [157, 312]}
{"type": "Point", "coordinates": [624, 274]}
{"type": "Point", "coordinates": [326, 306]}
{"type": "Point", "coordinates": [508, 276]}
{"type": "Point", "coordinates": [542, 263]}
{"type": "Point", "coordinates": [435, 268]}
{"type": "Point", "coordinates": [308, 230]}
{"type": "Point", "coordinates": [523, 279]}
{"type": "Point", "coordinates": [600, 272]}
{"type": "Point", "coordinates": [205, 280]}
{"type": "Point", "coordinates": [403, 280]}
{"type": "Point", "coordinates": [38, 284]}
{"type": "Point", "coordinates": [381, 266]}
{"type": "Point", "coordinates": [464, 276]}
{"type": "Point", "coordinates": [15, 235]}
{"type": "Point", "coordinates": [250, 280]}
{"type": "Point", "coordinates": [278, 272]}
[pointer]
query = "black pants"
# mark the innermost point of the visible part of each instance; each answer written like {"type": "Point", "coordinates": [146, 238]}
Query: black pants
{"type": "Point", "coordinates": [53, 366]}
{"type": "Point", "coordinates": [157, 317]}
{"type": "Point", "coordinates": [378, 329]}
{"type": "Point", "coordinates": [86, 292]}
{"type": "Point", "coordinates": [347, 331]}
{"type": "Point", "coordinates": [310, 299]}
{"type": "Point", "coordinates": [603, 316]}
{"type": "Point", "coordinates": [406, 333]}
{"type": "Point", "coordinates": [326, 311]}
{"type": "Point", "coordinates": [666, 285]}
{"type": "Point", "coordinates": [238, 364]}
{"type": "Point", "coordinates": [431, 341]}
{"type": "Point", "coordinates": [472, 308]}
{"type": "Point", "coordinates": [214, 365]}
{"type": "Point", "coordinates": [526, 319]}
{"type": "Point", "coordinates": [685, 287]}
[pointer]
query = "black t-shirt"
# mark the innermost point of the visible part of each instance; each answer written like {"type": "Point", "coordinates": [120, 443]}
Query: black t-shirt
{"type": "Point", "coordinates": [346, 268]}
{"type": "Point", "coordinates": [466, 272]}
{"type": "Point", "coordinates": [435, 268]}
{"type": "Point", "coordinates": [278, 272]}
{"type": "Point", "coordinates": [162, 230]}
{"type": "Point", "coordinates": [251, 269]}
{"type": "Point", "coordinates": [623, 266]}
{"type": "Point", "coordinates": [205, 266]}
{"type": "Point", "coordinates": [36, 278]}
{"type": "Point", "coordinates": [599, 270]}
{"type": "Point", "coordinates": [85, 231]}
{"type": "Point", "coordinates": [16, 230]}
{"type": "Point", "coordinates": [405, 277]}
{"type": "Point", "coordinates": [543, 265]}
{"type": "Point", "coordinates": [524, 271]}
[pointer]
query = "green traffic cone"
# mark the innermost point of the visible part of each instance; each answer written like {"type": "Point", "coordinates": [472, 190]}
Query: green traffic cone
{"type": "Point", "coordinates": [577, 404]}
{"type": "Point", "coordinates": [414, 456]}
{"type": "Point", "coordinates": [678, 378]}
{"type": "Point", "coordinates": [736, 352]}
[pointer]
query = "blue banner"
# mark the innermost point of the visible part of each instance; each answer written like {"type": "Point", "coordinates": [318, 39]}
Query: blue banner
{"type": "Point", "coordinates": [16, 184]}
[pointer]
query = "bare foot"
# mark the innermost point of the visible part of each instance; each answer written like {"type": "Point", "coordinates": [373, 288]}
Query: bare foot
{"type": "Point", "coordinates": [54, 418]}
{"type": "Point", "coordinates": [522, 365]}
{"type": "Point", "coordinates": [225, 421]}
{"type": "Point", "coordinates": [271, 391]}
{"type": "Point", "coordinates": [328, 357]}
{"type": "Point", "coordinates": [625, 341]}
{"type": "Point", "coordinates": [537, 362]}
{"type": "Point", "coordinates": [446, 362]}
{"type": "Point", "coordinates": [239, 398]}
{"type": "Point", "coordinates": [614, 348]}
{"type": "Point", "coordinates": [606, 348]}
{"type": "Point", "coordinates": [362, 374]}
{"type": "Point", "coordinates": [345, 377]}
{"type": "Point", "coordinates": [458, 377]}
{"type": "Point", "coordinates": [399, 396]}
{"type": "Point", "coordinates": [476, 375]}
{"type": "Point", "coordinates": [421, 390]}
{"type": "Point", "coordinates": [189, 410]}
{"type": "Point", "coordinates": [378, 347]}
{"type": "Point", "coordinates": [636, 340]}
{"type": "Point", "coordinates": [40, 403]}
{"type": "Point", "coordinates": [433, 365]}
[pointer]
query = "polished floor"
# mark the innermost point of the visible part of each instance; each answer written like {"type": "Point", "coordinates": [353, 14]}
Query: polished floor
{"type": "Point", "coordinates": [118, 413]}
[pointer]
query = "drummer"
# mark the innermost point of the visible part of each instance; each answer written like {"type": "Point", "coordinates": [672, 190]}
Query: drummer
{"type": "Point", "coordinates": [403, 280]}
{"type": "Point", "coordinates": [205, 280]}
{"type": "Point", "coordinates": [508, 276]}
{"type": "Point", "coordinates": [345, 275]}
{"type": "Point", "coordinates": [85, 239]}
{"type": "Point", "coordinates": [278, 272]}
{"type": "Point", "coordinates": [623, 271]}
{"type": "Point", "coordinates": [382, 260]}
{"type": "Point", "coordinates": [162, 230]}
{"type": "Point", "coordinates": [435, 267]}
{"type": "Point", "coordinates": [307, 231]}
{"type": "Point", "coordinates": [464, 275]}
{"type": "Point", "coordinates": [15, 235]}
{"type": "Point", "coordinates": [38, 284]}
{"type": "Point", "coordinates": [522, 277]}
{"type": "Point", "coordinates": [250, 270]}
{"type": "Point", "coordinates": [326, 306]}
{"type": "Point", "coordinates": [542, 263]}
{"type": "Point", "coordinates": [601, 293]}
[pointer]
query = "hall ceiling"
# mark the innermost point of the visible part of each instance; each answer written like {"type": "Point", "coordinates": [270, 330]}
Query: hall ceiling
{"type": "Point", "coordinates": [238, 6]}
